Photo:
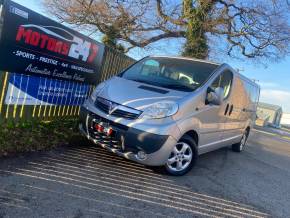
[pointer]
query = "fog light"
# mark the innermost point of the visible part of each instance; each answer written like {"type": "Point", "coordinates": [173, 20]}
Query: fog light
{"type": "Point", "coordinates": [141, 155]}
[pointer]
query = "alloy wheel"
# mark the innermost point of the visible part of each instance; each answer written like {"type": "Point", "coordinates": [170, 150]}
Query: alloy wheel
{"type": "Point", "coordinates": [180, 158]}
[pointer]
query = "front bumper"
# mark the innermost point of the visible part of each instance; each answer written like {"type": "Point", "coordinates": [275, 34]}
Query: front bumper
{"type": "Point", "coordinates": [129, 141]}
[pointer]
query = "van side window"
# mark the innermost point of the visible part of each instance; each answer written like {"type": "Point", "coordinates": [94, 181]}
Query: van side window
{"type": "Point", "coordinates": [224, 81]}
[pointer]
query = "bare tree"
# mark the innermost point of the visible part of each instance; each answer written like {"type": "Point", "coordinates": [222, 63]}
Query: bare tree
{"type": "Point", "coordinates": [252, 29]}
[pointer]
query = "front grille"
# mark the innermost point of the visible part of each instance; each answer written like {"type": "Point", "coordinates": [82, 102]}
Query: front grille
{"type": "Point", "coordinates": [122, 112]}
{"type": "Point", "coordinates": [125, 114]}
{"type": "Point", "coordinates": [102, 106]}
{"type": "Point", "coordinates": [111, 142]}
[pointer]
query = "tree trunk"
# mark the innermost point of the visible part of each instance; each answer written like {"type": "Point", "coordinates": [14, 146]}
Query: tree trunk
{"type": "Point", "coordinates": [196, 45]}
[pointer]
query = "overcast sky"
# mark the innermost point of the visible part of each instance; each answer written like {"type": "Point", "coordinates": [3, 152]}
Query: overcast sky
{"type": "Point", "coordinates": [274, 79]}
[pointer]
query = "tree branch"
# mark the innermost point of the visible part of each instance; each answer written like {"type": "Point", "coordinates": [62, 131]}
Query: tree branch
{"type": "Point", "coordinates": [178, 22]}
{"type": "Point", "coordinates": [146, 42]}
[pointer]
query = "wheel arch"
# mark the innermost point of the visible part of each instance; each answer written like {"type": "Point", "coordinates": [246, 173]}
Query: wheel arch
{"type": "Point", "coordinates": [248, 129]}
{"type": "Point", "coordinates": [194, 135]}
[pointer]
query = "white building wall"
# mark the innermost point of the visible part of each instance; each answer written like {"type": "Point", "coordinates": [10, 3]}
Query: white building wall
{"type": "Point", "coordinates": [285, 119]}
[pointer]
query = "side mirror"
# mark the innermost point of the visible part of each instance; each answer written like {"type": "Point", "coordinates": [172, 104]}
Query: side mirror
{"type": "Point", "coordinates": [216, 96]}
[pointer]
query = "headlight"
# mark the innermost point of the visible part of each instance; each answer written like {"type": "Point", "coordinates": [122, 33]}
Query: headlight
{"type": "Point", "coordinates": [96, 92]}
{"type": "Point", "coordinates": [160, 110]}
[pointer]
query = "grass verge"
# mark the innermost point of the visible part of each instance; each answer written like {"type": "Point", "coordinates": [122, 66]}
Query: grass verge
{"type": "Point", "coordinates": [36, 135]}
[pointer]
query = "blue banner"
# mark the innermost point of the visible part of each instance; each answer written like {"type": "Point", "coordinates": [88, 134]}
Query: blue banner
{"type": "Point", "coordinates": [34, 90]}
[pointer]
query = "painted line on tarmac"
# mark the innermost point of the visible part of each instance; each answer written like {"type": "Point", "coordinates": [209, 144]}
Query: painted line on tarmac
{"type": "Point", "coordinates": [286, 130]}
{"type": "Point", "coordinates": [273, 134]}
{"type": "Point", "coordinates": [286, 137]}
{"type": "Point", "coordinates": [268, 133]}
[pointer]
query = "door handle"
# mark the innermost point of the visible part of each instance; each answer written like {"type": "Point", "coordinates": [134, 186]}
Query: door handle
{"type": "Point", "coordinates": [231, 109]}
{"type": "Point", "coordinates": [227, 108]}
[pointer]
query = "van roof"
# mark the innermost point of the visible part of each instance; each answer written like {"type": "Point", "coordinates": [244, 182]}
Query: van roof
{"type": "Point", "coordinates": [188, 58]}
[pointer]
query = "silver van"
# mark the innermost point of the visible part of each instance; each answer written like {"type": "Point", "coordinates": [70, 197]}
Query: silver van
{"type": "Point", "coordinates": [165, 111]}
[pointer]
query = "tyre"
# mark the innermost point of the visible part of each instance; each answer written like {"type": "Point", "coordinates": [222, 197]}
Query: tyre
{"type": "Point", "coordinates": [183, 157]}
{"type": "Point", "coordinates": [239, 147]}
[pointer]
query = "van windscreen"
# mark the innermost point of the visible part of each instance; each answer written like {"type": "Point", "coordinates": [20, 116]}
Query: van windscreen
{"type": "Point", "coordinates": [173, 73]}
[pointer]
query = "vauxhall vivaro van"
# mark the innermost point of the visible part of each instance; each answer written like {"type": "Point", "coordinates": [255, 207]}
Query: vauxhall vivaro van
{"type": "Point", "coordinates": [165, 111]}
